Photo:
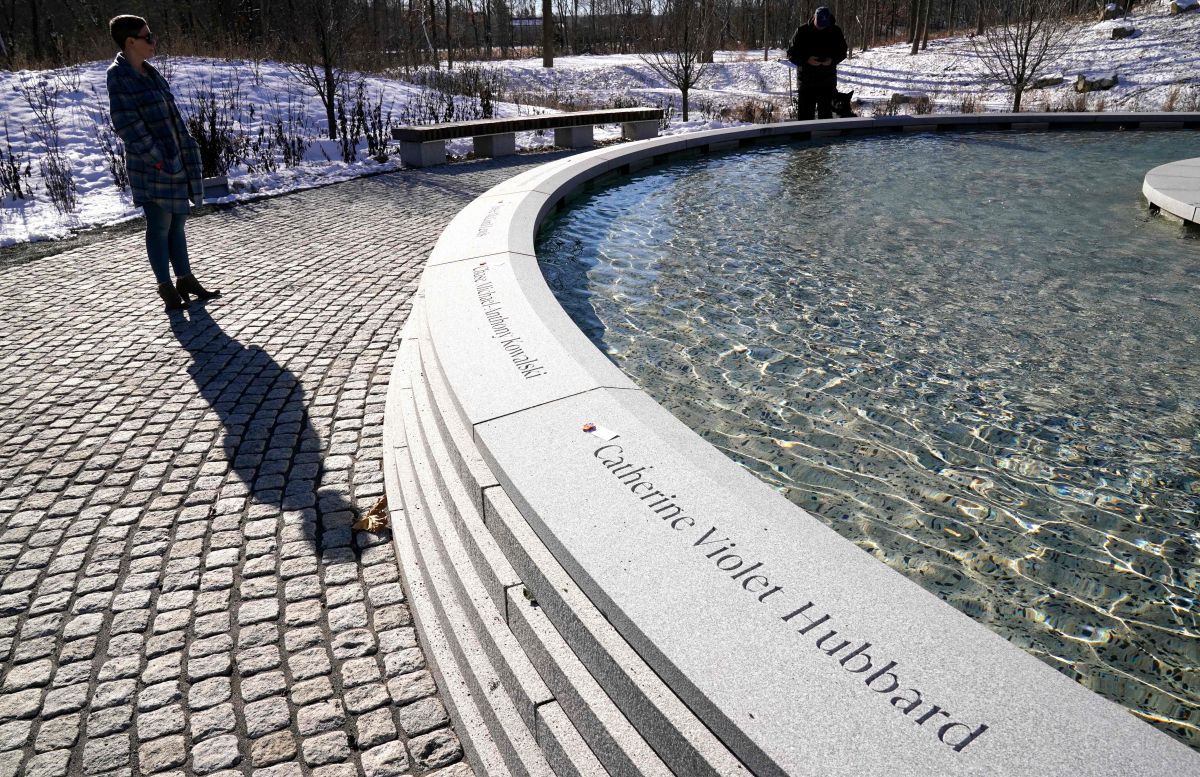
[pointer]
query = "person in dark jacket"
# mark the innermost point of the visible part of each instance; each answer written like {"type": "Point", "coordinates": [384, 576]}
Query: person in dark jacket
{"type": "Point", "coordinates": [165, 172]}
{"type": "Point", "coordinates": [817, 48]}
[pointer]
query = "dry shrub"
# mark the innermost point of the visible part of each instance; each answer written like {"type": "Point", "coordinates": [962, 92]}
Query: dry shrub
{"type": "Point", "coordinates": [922, 105]}
{"type": "Point", "coordinates": [1183, 99]}
{"type": "Point", "coordinates": [1071, 102]}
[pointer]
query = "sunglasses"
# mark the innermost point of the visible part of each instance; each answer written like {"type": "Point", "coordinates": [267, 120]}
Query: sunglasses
{"type": "Point", "coordinates": [149, 37]}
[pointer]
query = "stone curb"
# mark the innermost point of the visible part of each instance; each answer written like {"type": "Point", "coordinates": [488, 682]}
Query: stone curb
{"type": "Point", "coordinates": [566, 435]}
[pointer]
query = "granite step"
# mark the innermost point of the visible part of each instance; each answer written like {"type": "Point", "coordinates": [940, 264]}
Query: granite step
{"type": "Point", "coordinates": [623, 751]}
{"type": "Point", "coordinates": [586, 645]}
{"type": "Point", "coordinates": [524, 720]}
{"type": "Point", "coordinates": [481, 750]}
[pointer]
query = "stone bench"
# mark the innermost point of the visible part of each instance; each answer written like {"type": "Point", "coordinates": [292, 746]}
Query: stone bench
{"type": "Point", "coordinates": [425, 146]}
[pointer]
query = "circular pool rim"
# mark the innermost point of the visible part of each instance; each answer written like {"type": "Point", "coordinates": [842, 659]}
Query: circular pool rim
{"type": "Point", "coordinates": [543, 405]}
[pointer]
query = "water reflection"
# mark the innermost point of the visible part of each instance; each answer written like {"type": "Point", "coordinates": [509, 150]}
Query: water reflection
{"type": "Point", "coordinates": [982, 372]}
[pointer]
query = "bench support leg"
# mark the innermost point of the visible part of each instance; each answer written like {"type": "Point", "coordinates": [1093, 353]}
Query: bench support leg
{"type": "Point", "coordinates": [495, 145]}
{"type": "Point", "coordinates": [639, 130]}
{"type": "Point", "coordinates": [574, 137]}
{"type": "Point", "coordinates": [427, 154]}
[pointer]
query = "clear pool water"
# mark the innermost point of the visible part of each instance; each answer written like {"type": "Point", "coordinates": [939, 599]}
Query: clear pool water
{"type": "Point", "coordinates": [974, 355]}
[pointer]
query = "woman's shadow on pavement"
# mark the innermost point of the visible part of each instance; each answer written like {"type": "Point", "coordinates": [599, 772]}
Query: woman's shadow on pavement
{"type": "Point", "coordinates": [269, 440]}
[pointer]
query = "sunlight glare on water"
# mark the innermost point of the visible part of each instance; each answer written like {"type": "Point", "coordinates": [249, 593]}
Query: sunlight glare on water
{"type": "Point", "coordinates": [974, 355]}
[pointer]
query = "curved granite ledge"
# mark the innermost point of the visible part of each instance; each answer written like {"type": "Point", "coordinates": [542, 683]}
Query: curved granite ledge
{"type": "Point", "coordinates": [801, 653]}
{"type": "Point", "coordinates": [1175, 189]}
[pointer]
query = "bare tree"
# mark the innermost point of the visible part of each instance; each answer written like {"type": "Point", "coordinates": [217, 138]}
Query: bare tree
{"type": "Point", "coordinates": [1029, 37]}
{"type": "Point", "coordinates": [318, 44]}
{"type": "Point", "coordinates": [681, 62]}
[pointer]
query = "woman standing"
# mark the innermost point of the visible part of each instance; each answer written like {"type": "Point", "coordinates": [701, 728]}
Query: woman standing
{"type": "Point", "coordinates": [163, 159]}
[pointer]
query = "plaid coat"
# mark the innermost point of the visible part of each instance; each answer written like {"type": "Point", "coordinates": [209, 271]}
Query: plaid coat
{"type": "Point", "coordinates": [143, 114]}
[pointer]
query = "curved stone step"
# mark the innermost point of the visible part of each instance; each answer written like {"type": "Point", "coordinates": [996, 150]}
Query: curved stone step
{"type": "Point", "coordinates": [499, 670]}
{"type": "Point", "coordinates": [674, 733]}
{"type": "Point", "coordinates": [605, 728]}
{"type": "Point", "coordinates": [481, 751]}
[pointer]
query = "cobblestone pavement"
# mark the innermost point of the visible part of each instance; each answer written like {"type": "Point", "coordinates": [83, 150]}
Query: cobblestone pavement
{"type": "Point", "coordinates": [180, 589]}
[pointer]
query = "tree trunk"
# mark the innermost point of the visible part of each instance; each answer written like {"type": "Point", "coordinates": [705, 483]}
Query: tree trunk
{"type": "Point", "coordinates": [766, 36]}
{"type": "Point", "coordinates": [915, 40]}
{"type": "Point", "coordinates": [35, 31]}
{"type": "Point", "coordinates": [925, 25]}
{"type": "Point", "coordinates": [330, 95]}
{"type": "Point", "coordinates": [950, 18]}
{"type": "Point", "coordinates": [683, 90]}
{"type": "Point", "coordinates": [1017, 99]}
{"type": "Point", "coordinates": [547, 33]}
{"type": "Point", "coordinates": [449, 45]}
{"type": "Point", "coordinates": [433, 39]}
{"type": "Point", "coordinates": [914, 14]}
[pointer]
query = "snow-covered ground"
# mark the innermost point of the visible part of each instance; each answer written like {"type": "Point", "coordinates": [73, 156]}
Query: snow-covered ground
{"type": "Point", "coordinates": [1162, 58]}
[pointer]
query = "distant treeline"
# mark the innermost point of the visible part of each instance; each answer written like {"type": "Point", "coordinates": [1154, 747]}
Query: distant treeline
{"type": "Point", "coordinates": [382, 34]}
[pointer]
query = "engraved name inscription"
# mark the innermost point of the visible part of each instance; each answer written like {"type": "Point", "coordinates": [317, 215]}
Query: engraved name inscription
{"type": "Point", "coordinates": [493, 312]}
{"type": "Point", "coordinates": [715, 548]}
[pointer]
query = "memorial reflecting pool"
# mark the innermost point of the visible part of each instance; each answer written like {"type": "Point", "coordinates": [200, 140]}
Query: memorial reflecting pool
{"type": "Point", "coordinates": [973, 355]}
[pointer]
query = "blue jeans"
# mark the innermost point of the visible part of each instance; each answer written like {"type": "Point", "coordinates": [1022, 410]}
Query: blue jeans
{"type": "Point", "coordinates": [165, 243]}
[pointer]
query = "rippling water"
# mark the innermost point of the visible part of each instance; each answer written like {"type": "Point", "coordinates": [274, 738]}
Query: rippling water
{"type": "Point", "coordinates": [973, 355]}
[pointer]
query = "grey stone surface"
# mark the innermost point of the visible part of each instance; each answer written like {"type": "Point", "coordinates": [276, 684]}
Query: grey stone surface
{"type": "Point", "coordinates": [374, 728]}
{"type": "Point", "coordinates": [408, 688]}
{"type": "Point", "coordinates": [273, 748]}
{"type": "Point", "coordinates": [681, 607]}
{"type": "Point", "coordinates": [170, 484]}
{"type": "Point", "coordinates": [388, 760]}
{"type": "Point", "coordinates": [435, 749]}
{"type": "Point", "coordinates": [489, 347]}
{"type": "Point", "coordinates": [214, 754]}
{"type": "Point", "coordinates": [51, 764]}
{"type": "Point", "coordinates": [1175, 187]}
{"type": "Point", "coordinates": [161, 754]}
{"type": "Point", "coordinates": [263, 717]}
{"type": "Point", "coordinates": [333, 747]}
{"type": "Point", "coordinates": [422, 716]}
{"type": "Point", "coordinates": [788, 545]}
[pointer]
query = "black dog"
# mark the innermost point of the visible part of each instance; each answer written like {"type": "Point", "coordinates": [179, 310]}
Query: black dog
{"type": "Point", "coordinates": [841, 104]}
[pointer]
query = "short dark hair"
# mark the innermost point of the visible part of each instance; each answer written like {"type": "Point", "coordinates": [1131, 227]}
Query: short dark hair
{"type": "Point", "coordinates": [122, 27]}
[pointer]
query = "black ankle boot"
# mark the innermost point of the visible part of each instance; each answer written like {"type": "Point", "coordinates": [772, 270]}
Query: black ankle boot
{"type": "Point", "coordinates": [187, 285]}
{"type": "Point", "coordinates": [171, 297]}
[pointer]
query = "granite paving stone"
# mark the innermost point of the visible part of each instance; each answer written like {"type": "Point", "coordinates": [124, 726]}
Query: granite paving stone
{"type": "Point", "coordinates": [273, 748]}
{"type": "Point", "coordinates": [161, 754]}
{"type": "Point", "coordinates": [63, 700]}
{"type": "Point", "coordinates": [437, 748]}
{"type": "Point", "coordinates": [332, 747]}
{"type": "Point", "coordinates": [214, 754]}
{"type": "Point", "coordinates": [422, 716]}
{"type": "Point", "coordinates": [366, 697]}
{"type": "Point", "coordinates": [260, 686]}
{"type": "Point", "coordinates": [15, 735]}
{"type": "Point", "coordinates": [308, 691]}
{"type": "Point", "coordinates": [410, 687]}
{"type": "Point", "coordinates": [109, 721]}
{"type": "Point", "coordinates": [263, 717]}
{"type": "Point", "coordinates": [178, 578]}
{"type": "Point", "coordinates": [160, 722]}
{"type": "Point", "coordinates": [218, 720]}
{"type": "Point", "coordinates": [52, 764]}
{"type": "Point", "coordinates": [105, 753]}
{"type": "Point", "coordinates": [389, 760]}
{"type": "Point", "coordinates": [57, 733]}
{"type": "Point", "coordinates": [374, 728]}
